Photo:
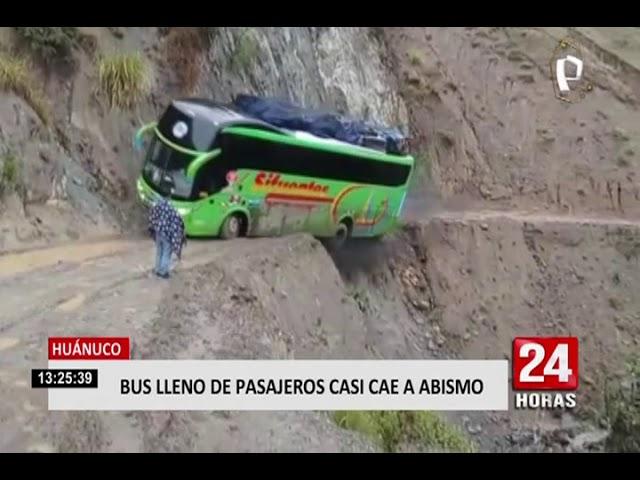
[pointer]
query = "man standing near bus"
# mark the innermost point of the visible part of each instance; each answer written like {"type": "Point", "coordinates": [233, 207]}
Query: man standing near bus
{"type": "Point", "coordinates": [167, 229]}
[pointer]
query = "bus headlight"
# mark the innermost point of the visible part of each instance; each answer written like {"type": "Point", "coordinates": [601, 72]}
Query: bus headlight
{"type": "Point", "coordinates": [183, 211]}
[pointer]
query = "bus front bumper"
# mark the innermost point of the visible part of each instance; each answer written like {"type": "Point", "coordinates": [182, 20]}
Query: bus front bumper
{"type": "Point", "coordinates": [146, 195]}
{"type": "Point", "coordinates": [194, 225]}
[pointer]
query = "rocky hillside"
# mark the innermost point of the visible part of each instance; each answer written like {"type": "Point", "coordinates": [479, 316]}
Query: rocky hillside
{"type": "Point", "coordinates": [479, 103]}
{"type": "Point", "coordinates": [66, 137]}
{"type": "Point", "coordinates": [483, 110]}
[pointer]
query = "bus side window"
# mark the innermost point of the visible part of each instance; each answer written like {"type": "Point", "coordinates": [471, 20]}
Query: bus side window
{"type": "Point", "coordinates": [294, 160]}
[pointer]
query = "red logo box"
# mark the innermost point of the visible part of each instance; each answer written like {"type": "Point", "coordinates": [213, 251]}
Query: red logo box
{"type": "Point", "coordinates": [545, 363]}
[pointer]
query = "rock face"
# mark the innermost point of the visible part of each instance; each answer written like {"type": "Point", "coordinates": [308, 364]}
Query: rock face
{"type": "Point", "coordinates": [52, 196]}
{"type": "Point", "coordinates": [336, 68]}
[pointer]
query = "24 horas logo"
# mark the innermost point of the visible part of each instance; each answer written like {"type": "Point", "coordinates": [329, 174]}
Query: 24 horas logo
{"type": "Point", "coordinates": [545, 372]}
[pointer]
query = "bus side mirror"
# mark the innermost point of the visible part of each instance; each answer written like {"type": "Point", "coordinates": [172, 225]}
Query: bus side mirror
{"type": "Point", "coordinates": [138, 142]}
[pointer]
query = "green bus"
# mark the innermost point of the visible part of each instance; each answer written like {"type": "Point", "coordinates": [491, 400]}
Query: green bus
{"type": "Point", "coordinates": [232, 175]}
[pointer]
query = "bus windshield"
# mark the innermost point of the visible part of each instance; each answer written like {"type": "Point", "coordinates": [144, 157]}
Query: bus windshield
{"type": "Point", "coordinates": [165, 169]}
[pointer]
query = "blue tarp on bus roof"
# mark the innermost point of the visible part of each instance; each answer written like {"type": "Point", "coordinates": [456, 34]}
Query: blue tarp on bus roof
{"type": "Point", "coordinates": [283, 114]}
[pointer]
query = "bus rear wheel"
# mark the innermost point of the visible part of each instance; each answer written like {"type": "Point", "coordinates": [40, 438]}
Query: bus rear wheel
{"type": "Point", "coordinates": [338, 241]}
{"type": "Point", "coordinates": [231, 227]}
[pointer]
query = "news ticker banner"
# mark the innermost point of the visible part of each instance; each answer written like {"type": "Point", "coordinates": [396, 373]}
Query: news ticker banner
{"type": "Point", "coordinates": [285, 385]}
{"type": "Point", "coordinates": [98, 374]}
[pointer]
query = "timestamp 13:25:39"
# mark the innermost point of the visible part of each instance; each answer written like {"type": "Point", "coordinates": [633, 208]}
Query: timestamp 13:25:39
{"type": "Point", "coordinates": [64, 378]}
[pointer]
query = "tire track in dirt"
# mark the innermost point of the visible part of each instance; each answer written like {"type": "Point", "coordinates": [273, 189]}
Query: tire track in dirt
{"type": "Point", "coordinates": [69, 276]}
{"type": "Point", "coordinates": [17, 263]}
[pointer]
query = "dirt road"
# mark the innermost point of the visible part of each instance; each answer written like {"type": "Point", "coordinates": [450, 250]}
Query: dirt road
{"type": "Point", "coordinates": [97, 288]}
{"type": "Point", "coordinates": [64, 278]}
{"type": "Point", "coordinates": [105, 288]}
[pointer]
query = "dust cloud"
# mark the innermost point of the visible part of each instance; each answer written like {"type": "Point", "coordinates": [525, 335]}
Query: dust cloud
{"type": "Point", "coordinates": [423, 202]}
{"type": "Point", "coordinates": [366, 255]}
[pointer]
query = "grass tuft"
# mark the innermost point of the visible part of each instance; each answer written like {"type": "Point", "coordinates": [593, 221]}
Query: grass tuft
{"type": "Point", "coordinates": [391, 428]}
{"type": "Point", "coordinates": [415, 57]}
{"type": "Point", "coordinates": [15, 77]}
{"type": "Point", "coordinates": [124, 79]}
{"type": "Point", "coordinates": [9, 173]}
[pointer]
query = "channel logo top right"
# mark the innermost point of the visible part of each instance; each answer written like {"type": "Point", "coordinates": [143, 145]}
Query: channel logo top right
{"type": "Point", "coordinates": [568, 72]}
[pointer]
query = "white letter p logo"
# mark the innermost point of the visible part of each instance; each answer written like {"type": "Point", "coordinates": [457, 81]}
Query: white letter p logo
{"type": "Point", "coordinates": [561, 75]}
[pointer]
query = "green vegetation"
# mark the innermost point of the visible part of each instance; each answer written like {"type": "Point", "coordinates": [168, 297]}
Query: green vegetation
{"type": "Point", "coordinates": [415, 57]}
{"type": "Point", "coordinates": [623, 162]}
{"type": "Point", "coordinates": [9, 173]}
{"type": "Point", "coordinates": [627, 243]}
{"type": "Point", "coordinates": [390, 429]}
{"type": "Point", "coordinates": [615, 303]}
{"type": "Point", "coordinates": [620, 135]}
{"type": "Point", "coordinates": [124, 79]}
{"type": "Point", "coordinates": [246, 51]}
{"type": "Point", "coordinates": [50, 43]}
{"type": "Point", "coordinates": [15, 77]}
{"type": "Point", "coordinates": [622, 410]}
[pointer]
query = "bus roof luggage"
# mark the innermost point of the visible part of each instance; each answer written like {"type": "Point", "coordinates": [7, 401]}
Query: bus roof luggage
{"type": "Point", "coordinates": [284, 114]}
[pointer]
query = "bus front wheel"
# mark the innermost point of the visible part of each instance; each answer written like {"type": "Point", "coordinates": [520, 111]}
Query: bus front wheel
{"type": "Point", "coordinates": [231, 227]}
